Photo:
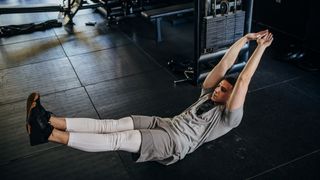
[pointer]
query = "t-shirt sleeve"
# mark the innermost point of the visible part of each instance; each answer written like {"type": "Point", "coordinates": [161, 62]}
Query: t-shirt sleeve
{"type": "Point", "coordinates": [206, 91]}
{"type": "Point", "coordinates": [233, 118]}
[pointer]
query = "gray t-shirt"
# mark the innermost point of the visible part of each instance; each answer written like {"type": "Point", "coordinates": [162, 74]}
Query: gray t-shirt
{"type": "Point", "coordinates": [190, 131]}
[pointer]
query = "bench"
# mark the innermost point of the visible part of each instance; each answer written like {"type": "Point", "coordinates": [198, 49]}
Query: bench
{"type": "Point", "coordinates": [157, 15]}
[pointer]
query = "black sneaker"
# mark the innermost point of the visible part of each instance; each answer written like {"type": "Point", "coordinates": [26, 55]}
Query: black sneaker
{"type": "Point", "coordinates": [38, 125]}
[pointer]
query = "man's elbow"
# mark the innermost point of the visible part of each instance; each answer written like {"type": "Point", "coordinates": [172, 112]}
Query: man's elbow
{"type": "Point", "coordinates": [235, 123]}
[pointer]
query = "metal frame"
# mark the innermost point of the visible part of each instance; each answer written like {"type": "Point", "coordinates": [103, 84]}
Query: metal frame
{"type": "Point", "coordinates": [199, 59]}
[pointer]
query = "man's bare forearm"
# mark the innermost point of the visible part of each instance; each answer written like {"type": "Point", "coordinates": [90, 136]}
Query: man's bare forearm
{"type": "Point", "coordinates": [231, 55]}
{"type": "Point", "coordinates": [218, 72]}
{"type": "Point", "coordinates": [240, 89]}
{"type": "Point", "coordinates": [239, 92]}
{"type": "Point", "coordinates": [252, 64]}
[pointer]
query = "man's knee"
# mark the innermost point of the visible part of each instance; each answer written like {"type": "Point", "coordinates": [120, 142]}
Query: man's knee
{"type": "Point", "coordinates": [130, 140]}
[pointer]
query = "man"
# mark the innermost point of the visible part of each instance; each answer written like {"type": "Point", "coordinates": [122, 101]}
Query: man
{"type": "Point", "coordinates": [165, 140]}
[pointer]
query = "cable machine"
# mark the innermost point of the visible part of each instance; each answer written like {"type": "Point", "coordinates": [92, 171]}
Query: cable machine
{"type": "Point", "coordinates": [219, 23]}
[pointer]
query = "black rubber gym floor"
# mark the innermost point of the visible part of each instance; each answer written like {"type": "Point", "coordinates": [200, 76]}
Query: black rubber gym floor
{"type": "Point", "coordinates": [102, 72]}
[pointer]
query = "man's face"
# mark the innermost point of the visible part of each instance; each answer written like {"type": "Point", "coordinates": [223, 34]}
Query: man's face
{"type": "Point", "coordinates": [222, 92]}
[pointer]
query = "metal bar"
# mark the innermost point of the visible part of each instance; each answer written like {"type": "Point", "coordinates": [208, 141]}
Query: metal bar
{"type": "Point", "coordinates": [248, 18]}
{"type": "Point", "coordinates": [168, 11]}
{"type": "Point", "coordinates": [213, 56]}
{"type": "Point", "coordinates": [102, 11]}
{"type": "Point", "coordinates": [247, 27]}
{"type": "Point", "coordinates": [235, 68]}
{"type": "Point", "coordinates": [197, 44]}
{"type": "Point", "coordinates": [158, 29]}
{"type": "Point", "coordinates": [91, 6]}
{"type": "Point", "coordinates": [30, 8]}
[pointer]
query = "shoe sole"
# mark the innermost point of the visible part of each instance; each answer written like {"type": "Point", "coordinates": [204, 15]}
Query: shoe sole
{"type": "Point", "coordinates": [31, 103]}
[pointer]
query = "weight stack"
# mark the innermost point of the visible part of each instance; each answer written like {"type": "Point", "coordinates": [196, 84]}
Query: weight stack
{"type": "Point", "coordinates": [221, 31]}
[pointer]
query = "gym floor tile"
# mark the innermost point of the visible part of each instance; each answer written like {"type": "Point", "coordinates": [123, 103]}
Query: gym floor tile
{"type": "Point", "coordinates": [27, 37]}
{"type": "Point", "coordinates": [309, 85]}
{"type": "Point", "coordinates": [120, 70]}
{"type": "Point", "coordinates": [23, 18]}
{"type": "Point", "coordinates": [70, 103]}
{"type": "Point", "coordinates": [281, 122]}
{"type": "Point", "coordinates": [228, 157]}
{"type": "Point", "coordinates": [271, 72]}
{"type": "Point", "coordinates": [66, 163]}
{"type": "Point", "coordinates": [30, 52]}
{"type": "Point", "coordinates": [304, 168]}
{"type": "Point", "coordinates": [84, 42]}
{"type": "Point", "coordinates": [151, 93]}
{"type": "Point", "coordinates": [45, 77]}
{"type": "Point", "coordinates": [111, 63]}
{"type": "Point", "coordinates": [15, 141]}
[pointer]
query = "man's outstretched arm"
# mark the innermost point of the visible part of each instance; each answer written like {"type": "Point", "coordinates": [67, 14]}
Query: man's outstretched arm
{"type": "Point", "coordinates": [218, 72]}
{"type": "Point", "coordinates": [240, 89]}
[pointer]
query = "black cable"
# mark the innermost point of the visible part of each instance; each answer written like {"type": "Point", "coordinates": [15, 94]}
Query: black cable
{"type": "Point", "coordinates": [11, 30]}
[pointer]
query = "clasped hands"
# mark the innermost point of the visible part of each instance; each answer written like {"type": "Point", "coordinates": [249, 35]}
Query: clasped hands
{"type": "Point", "coordinates": [263, 38]}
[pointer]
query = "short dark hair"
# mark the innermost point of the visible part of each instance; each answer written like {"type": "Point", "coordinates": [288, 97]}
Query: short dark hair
{"type": "Point", "coordinates": [231, 78]}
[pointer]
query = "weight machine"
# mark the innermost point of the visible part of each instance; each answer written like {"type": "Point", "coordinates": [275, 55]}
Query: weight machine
{"type": "Point", "coordinates": [218, 24]}
{"type": "Point", "coordinates": [115, 10]}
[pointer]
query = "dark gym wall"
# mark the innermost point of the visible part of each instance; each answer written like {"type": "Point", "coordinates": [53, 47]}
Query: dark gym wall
{"type": "Point", "coordinates": [293, 18]}
{"type": "Point", "coordinates": [288, 16]}
{"type": "Point", "coordinates": [312, 31]}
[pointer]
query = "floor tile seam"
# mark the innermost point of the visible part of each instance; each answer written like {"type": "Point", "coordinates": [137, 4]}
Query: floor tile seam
{"type": "Point", "coordinates": [32, 63]}
{"type": "Point", "coordinates": [55, 33]}
{"type": "Point", "coordinates": [42, 94]}
{"type": "Point", "coordinates": [83, 86]}
{"type": "Point", "coordinates": [43, 61]}
{"type": "Point", "coordinates": [302, 92]}
{"type": "Point", "coordinates": [47, 37]}
{"type": "Point", "coordinates": [95, 51]}
{"type": "Point", "coordinates": [91, 101]}
{"type": "Point", "coordinates": [149, 56]}
{"type": "Point", "coordinates": [79, 80]}
{"type": "Point", "coordinates": [272, 164]}
{"type": "Point", "coordinates": [126, 76]}
{"type": "Point", "coordinates": [274, 84]}
{"type": "Point", "coordinates": [72, 33]}
{"type": "Point", "coordinates": [285, 164]}
{"type": "Point", "coordinates": [33, 154]}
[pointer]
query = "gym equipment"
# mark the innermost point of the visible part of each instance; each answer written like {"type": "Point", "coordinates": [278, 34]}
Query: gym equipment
{"type": "Point", "coordinates": [221, 31]}
{"type": "Point", "coordinates": [218, 24]}
{"type": "Point", "coordinates": [112, 9]}
{"type": "Point", "coordinates": [11, 30]}
{"type": "Point", "coordinates": [236, 23]}
{"type": "Point", "coordinates": [157, 15]}
{"type": "Point", "coordinates": [69, 9]}
{"type": "Point", "coordinates": [294, 53]}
